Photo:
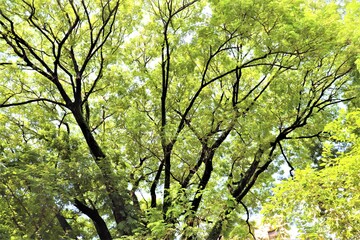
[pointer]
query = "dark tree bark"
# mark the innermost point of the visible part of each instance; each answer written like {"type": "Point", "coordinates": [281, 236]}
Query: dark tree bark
{"type": "Point", "coordinates": [118, 203]}
{"type": "Point", "coordinates": [99, 223]}
{"type": "Point", "coordinates": [65, 225]}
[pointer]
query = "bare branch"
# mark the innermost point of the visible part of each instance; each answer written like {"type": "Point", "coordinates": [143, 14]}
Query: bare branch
{"type": "Point", "coordinates": [247, 219]}
{"type": "Point", "coordinates": [287, 160]}
{"type": "Point", "coordinates": [32, 101]}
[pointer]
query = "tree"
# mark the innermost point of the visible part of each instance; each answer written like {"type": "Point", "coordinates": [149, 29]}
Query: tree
{"type": "Point", "coordinates": [186, 107]}
{"type": "Point", "coordinates": [324, 202]}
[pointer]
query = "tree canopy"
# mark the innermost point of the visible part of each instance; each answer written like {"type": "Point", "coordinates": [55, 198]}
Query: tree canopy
{"type": "Point", "coordinates": [326, 201]}
{"type": "Point", "coordinates": [162, 119]}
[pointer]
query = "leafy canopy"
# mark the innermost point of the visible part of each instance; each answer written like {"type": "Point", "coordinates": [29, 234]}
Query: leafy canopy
{"type": "Point", "coordinates": [158, 119]}
{"type": "Point", "coordinates": [326, 201]}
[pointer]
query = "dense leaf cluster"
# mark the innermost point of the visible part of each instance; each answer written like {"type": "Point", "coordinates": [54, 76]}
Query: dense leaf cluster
{"type": "Point", "coordinates": [161, 119]}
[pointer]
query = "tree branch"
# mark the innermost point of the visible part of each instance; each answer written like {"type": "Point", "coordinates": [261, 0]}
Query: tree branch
{"type": "Point", "coordinates": [247, 219]}
{"type": "Point", "coordinates": [93, 214]}
{"type": "Point", "coordinates": [287, 160]}
{"type": "Point", "coordinates": [4, 105]}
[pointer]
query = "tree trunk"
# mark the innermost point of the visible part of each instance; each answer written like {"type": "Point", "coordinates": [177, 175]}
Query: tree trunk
{"type": "Point", "coordinates": [118, 203]}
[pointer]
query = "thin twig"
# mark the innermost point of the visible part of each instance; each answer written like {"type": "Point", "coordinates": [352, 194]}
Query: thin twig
{"type": "Point", "coordinates": [247, 219]}
{"type": "Point", "coordinates": [287, 160]}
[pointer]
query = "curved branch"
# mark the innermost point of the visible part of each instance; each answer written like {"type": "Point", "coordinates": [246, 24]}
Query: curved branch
{"type": "Point", "coordinates": [154, 184]}
{"type": "Point", "coordinates": [247, 219]}
{"type": "Point", "coordinates": [287, 160]}
{"type": "Point", "coordinates": [4, 105]}
{"type": "Point", "coordinates": [93, 214]}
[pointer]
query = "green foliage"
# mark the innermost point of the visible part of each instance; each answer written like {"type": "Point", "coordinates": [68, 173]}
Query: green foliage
{"type": "Point", "coordinates": [163, 119]}
{"type": "Point", "coordinates": [326, 201]}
